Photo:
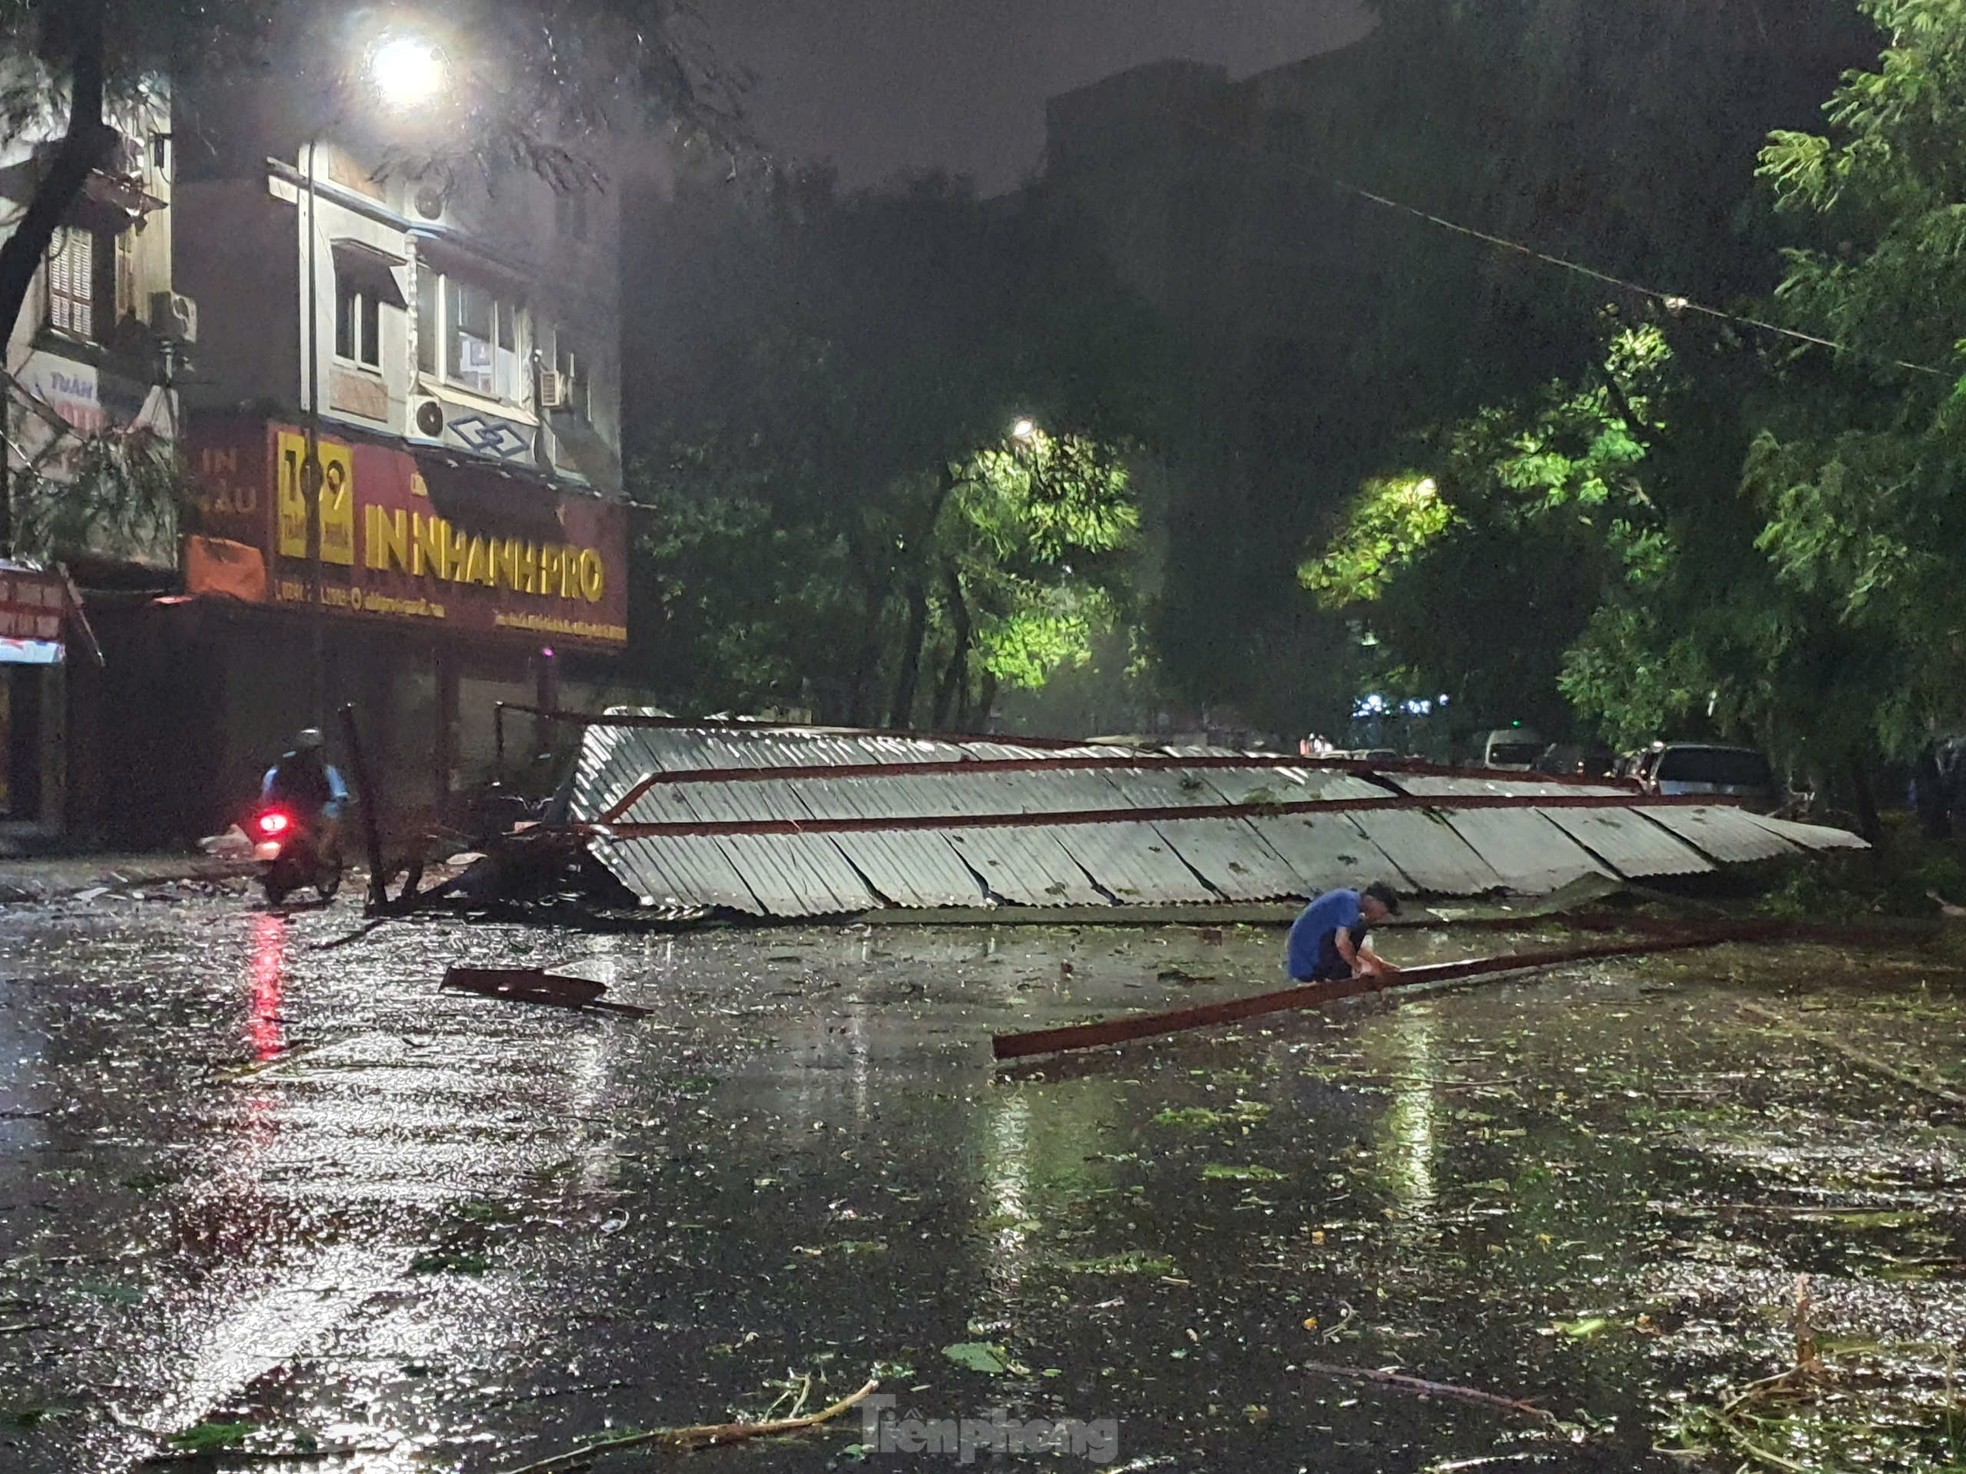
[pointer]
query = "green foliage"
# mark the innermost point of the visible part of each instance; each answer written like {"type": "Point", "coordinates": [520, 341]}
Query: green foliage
{"type": "Point", "coordinates": [845, 516]}
{"type": "Point", "coordinates": [118, 495]}
{"type": "Point", "coordinates": [212, 1437]}
{"type": "Point", "coordinates": [1391, 525]}
{"type": "Point", "coordinates": [1622, 135]}
{"type": "Point", "coordinates": [1478, 571]}
{"type": "Point", "coordinates": [1859, 481]}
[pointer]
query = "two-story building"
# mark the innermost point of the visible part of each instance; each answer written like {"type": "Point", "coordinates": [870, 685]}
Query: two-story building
{"type": "Point", "coordinates": [88, 364]}
{"type": "Point", "coordinates": [444, 350]}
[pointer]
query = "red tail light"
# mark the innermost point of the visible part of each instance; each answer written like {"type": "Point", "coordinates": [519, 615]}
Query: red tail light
{"type": "Point", "coordinates": [274, 822]}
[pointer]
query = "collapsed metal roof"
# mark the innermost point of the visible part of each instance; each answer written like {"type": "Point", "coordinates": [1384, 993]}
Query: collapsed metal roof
{"type": "Point", "coordinates": [791, 822]}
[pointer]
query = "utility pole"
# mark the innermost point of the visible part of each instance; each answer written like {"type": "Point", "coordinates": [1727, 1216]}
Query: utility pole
{"type": "Point", "coordinates": [310, 470]}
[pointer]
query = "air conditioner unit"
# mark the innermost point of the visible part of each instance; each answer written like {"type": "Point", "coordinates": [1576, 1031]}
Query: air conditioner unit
{"type": "Point", "coordinates": [428, 202]}
{"type": "Point", "coordinates": [555, 389]}
{"type": "Point", "coordinates": [174, 316]}
{"type": "Point", "coordinates": [427, 418]}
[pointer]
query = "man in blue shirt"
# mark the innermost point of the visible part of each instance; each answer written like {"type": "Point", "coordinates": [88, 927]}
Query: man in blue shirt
{"type": "Point", "coordinates": [1327, 942]}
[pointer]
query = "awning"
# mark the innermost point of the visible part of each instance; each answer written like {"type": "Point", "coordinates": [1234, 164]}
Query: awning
{"type": "Point", "coordinates": [478, 498]}
{"type": "Point", "coordinates": [364, 265]}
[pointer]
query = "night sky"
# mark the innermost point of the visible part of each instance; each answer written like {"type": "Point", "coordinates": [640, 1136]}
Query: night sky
{"type": "Point", "coordinates": [881, 87]}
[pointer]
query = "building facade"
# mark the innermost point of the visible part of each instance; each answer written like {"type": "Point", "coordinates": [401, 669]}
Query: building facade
{"type": "Point", "coordinates": [89, 365]}
{"type": "Point", "coordinates": [445, 354]}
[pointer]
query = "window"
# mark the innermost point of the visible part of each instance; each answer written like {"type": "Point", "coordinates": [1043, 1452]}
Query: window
{"type": "Point", "coordinates": [82, 283]}
{"type": "Point", "coordinates": [357, 323]}
{"type": "Point", "coordinates": [480, 339]}
{"type": "Point", "coordinates": [429, 339]}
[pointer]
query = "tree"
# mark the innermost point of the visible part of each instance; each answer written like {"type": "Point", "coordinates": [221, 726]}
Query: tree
{"type": "Point", "coordinates": [905, 416]}
{"type": "Point", "coordinates": [1479, 567]}
{"type": "Point", "coordinates": [1861, 479]}
{"type": "Point", "coordinates": [1331, 328]}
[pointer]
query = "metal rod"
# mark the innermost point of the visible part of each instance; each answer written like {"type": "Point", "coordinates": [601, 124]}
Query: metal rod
{"type": "Point", "coordinates": [1313, 995]}
{"type": "Point", "coordinates": [1444, 805]}
{"type": "Point", "coordinates": [371, 807]}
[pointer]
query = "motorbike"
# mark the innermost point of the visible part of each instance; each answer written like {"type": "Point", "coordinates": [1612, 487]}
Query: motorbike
{"type": "Point", "coordinates": [286, 849]}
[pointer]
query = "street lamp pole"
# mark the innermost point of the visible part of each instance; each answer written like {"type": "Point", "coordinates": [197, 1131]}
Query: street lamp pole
{"type": "Point", "coordinates": [310, 470]}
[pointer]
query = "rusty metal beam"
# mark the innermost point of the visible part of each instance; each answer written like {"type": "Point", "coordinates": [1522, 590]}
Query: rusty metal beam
{"type": "Point", "coordinates": [1313, 995]}
{"type": "Point", "coordinates": [860, 825]}
{"type": "Point", "coordinates": [968, 766]}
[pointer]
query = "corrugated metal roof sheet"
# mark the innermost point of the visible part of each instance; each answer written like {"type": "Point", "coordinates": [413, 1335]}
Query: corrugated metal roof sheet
{"type": "Point", "coordinates": [1728, 835]}
{"type": "Point", "coordinates": [1522, 845]}
{"type": "Point", "coordinates": [797, 874]}
{"type": "Point", "coordinates": [1809, 836]}
{"type": "Point", "coordinates": [1134, 863]}
{"type": "Point", "coordinates": [1325, 851]}
{"type": "Point", "coordinates": [1428, 851]}
{"type": "Point", "coordinates": [911, 867]}
{"type": "Point", "coordinates": [1628, 842]}
{"type": "Point", "coordinates": [1233, 857]}
{"type": "Point", "coordinates": [678, 872]}
{"type": "Point", "coordinates": [1027, 867]}
{"type": "Point", "coordinates": [850, 855]}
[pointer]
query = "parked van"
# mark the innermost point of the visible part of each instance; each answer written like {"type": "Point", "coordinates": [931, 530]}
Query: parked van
{"type": "Point", "coordinates": [1512, 748]}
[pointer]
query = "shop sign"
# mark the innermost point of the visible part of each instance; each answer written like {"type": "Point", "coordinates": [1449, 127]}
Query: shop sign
{"type": "Point", "coordinates": [31, 607]}
{"type": "Point", "coordinates": [386, 551]}
{"type": "Point", "coordinates": [89, 401]}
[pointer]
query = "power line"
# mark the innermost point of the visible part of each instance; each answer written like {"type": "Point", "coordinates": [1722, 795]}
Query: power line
{"type": "Point", "coordinates": [1671, 301]}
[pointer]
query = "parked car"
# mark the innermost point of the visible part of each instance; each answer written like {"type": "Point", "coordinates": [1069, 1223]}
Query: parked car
{"type": "Point", "coordinates": [1378, 755]}
{"type": "Point", "coordinates": [1672, 768]}
{"type": "Point", "coordinates": [1514, 749]}
{"type": "Point", "coordinates": [1576, 760]}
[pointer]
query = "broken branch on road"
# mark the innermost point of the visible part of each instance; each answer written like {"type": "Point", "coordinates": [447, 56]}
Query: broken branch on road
{"type": "Point", "coordinates": [1421, 1387]}
{"type": "Point", "coordinates": [702, 1435]}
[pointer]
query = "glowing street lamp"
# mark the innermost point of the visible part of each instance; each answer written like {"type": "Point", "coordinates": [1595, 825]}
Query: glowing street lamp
{"type": "Point", "coordinates": [407, 71]}
{"type": "Point", "coordinates": [1025, 429]}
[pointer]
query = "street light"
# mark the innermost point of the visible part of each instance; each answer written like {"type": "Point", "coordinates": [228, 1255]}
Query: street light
{"type": "Point", "coordinates": [407, 71]}
{"type": "Point", "coordinates": [1024, 429]}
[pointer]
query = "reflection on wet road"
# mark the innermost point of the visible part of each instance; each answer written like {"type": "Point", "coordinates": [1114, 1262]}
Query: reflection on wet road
{"type": "Point", "coordinates": [258, 1193]}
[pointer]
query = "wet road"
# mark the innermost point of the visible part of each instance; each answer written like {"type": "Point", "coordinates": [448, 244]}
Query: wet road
{"type": "Point", "coordinates": [255, 1190]}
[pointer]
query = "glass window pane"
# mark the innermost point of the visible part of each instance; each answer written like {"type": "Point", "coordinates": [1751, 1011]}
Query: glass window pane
{"type": "Point", "coordinates": [471, 311]}
{"type": "Point", "coordinates": [371, 320]}
{"type": "Point", "coordinates": [428, 285]}
{"type": "Point", "coordinates": [345, 306]}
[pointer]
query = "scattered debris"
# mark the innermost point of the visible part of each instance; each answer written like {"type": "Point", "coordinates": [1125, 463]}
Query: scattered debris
{"type": "Point", "coordinates": [536, 985]}
{"type": "Point", "coordinates": [1420, 1387]}
{"type": "Point", "coordinates": [1917, 1076]}
{"type": "Point", "coordinates": [704, 1435]}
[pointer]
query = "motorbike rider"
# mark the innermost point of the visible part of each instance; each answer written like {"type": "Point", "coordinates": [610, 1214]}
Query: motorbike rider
{"type": "Point", "coordinates": [306, 782]}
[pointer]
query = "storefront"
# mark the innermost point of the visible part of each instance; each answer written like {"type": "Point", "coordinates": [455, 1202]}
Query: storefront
{"type": "Point", "coordinates": [33, 609]}
{"type": "Point", "coordinates": [427, 587]}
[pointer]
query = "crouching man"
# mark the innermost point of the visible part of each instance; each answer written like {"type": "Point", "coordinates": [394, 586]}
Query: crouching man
{"type": "Point", "coordinates": [1327, 942]}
